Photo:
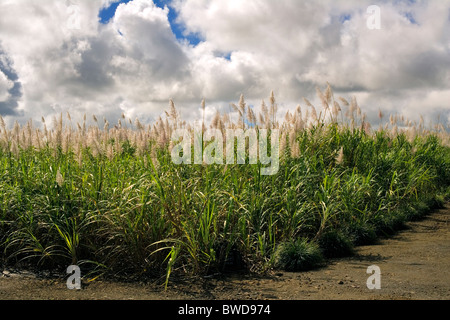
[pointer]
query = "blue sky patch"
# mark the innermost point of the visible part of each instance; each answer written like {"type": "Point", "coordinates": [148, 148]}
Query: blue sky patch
{"type": "Point", "coordinates": [345, 17]}
{"type": "Point", "coordinates": [410, 17]}
{"type": "Point", "coordinates": [107, 14]}
{"type": "Point", "coordinates": [227, 56]}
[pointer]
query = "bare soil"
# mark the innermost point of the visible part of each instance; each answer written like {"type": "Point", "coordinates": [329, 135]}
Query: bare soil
{"type": "Point", "coordinates": [415, 264]}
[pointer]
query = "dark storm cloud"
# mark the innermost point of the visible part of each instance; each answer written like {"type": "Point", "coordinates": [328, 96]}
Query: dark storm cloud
{"type": "Point", "coordinates": [9, 106]}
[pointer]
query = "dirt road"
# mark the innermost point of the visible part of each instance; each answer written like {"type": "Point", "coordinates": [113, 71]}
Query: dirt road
{"type": "Point", "coordinates": [414, 264]}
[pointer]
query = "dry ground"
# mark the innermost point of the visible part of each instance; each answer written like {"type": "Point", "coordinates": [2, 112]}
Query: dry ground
{"type": "Point", "coordinates": [415, 264]}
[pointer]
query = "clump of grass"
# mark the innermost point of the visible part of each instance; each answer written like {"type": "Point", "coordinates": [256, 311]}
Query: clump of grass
{"type": "Point", "coordinates": [361, 234]}
{"type": "Point", "coordinates": [335, 244]}
{"type": "Point", "coordinates": [298, 255]}
{"type": "Point", "coordinates": [389, 223]}
{"type": "Point", "coordinates": [417, 211]}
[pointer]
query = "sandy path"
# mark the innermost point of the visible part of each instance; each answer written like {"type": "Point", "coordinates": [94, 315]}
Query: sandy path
{"type": "Point", "coordinates": [414, 264]}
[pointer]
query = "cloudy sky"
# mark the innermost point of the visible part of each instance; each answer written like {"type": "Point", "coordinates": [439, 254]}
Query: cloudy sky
{"type": "Point", "coordinates": [107, 57]}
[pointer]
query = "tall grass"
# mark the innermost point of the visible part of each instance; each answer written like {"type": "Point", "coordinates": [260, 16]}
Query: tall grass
{"type": "Point", "coordinates": [110, 198]}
